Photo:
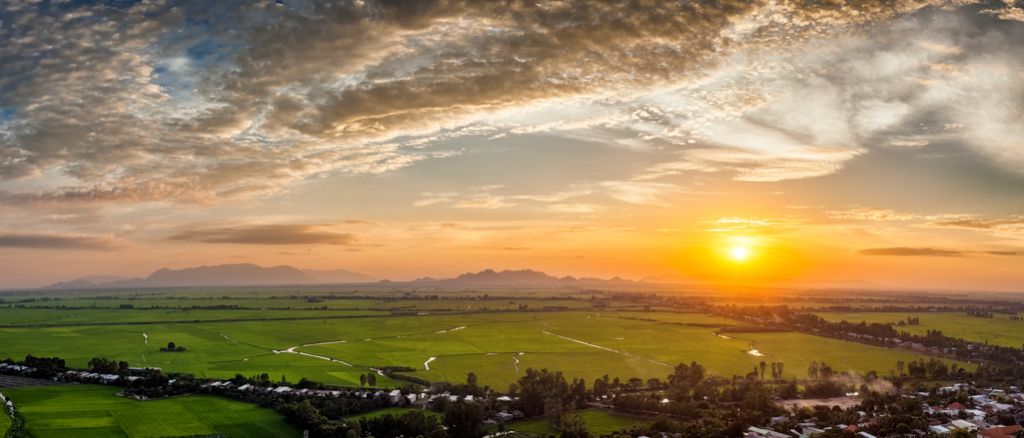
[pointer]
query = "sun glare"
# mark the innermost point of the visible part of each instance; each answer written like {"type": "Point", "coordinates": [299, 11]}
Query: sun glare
{"type": "Point", "coordinates": [739, 253]}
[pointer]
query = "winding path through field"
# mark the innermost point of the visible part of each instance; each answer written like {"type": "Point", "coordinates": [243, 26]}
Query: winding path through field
{"type": "Point", "coordinates": [599, 347]}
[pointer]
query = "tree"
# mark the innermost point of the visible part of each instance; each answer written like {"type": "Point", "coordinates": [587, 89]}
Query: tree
{"type": "Point", "coordinates": [573, 427]}
{"type": "Point", "coordinates": [537, 386]}
{"type": "Point", "coordinates": [464, 419]}
{"type": "Point", "coordinates": [371, 379]}
{"type": "Point", "coordinates": [362, 380]}
{"type": "Point", "coordinates": [471, 379]}
{"type": "Point", "coordinates": [762, 365]}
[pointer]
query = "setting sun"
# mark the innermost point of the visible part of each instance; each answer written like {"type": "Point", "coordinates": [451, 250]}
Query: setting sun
{"type": "Point", "coordinates": [739, 253]}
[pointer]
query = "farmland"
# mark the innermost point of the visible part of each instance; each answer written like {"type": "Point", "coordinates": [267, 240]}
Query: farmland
{"type": "Point", "coordinates": [5, 421]}
{"type": "Point", "coordinates": [998, 330]}
{"type": "Point", "coordinates": [597, 422]}
{"type": "Point", "coordinates": [442, 339]}
{"type": "Point", "coordinates": [95, 411]}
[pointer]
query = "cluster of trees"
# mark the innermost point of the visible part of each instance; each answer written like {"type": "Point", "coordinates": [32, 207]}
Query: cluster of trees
{"type": "Point", "coordinates": [368, 379]}
{"type": "Point", "coordinates": [459, 419]}
{"type": "Point", "coordinates": [45, 366]}
{"type": "Point", "coordinates": [172, 347]}
{"type": "Point", "coordinates": [818, 370]}
{"type": "Point", "coordinates": [932, 369]}
{"type": "Point", "coordinates": [103, 365]}
{"type": "Point", "coordinates": [980, 313]}
{"type": "Point", "coordinates": [911, 320]}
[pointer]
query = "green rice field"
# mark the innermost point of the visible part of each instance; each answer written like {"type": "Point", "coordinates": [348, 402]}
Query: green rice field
{"type": "Point", "coordinates": [599, 423]}
{"type": "Point", "coordinates": [95, 411]}
{"type": "Point", "coordinates": [998, 330]}
{"type": "Point", "coordinates": [444, 346]}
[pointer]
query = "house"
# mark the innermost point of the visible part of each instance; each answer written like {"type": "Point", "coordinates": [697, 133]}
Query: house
{"type": "Point", "coordinates": [975, 414]}
{"type": "Point", "coordinates": [865, 435]}
{"type": "Point", "coordinates": [395, 396]}
{"type": "Point", "coordinates": [244, 387]}
{"type": "Point", "coordinates": [1000, 432]}
{"type": "Point", "coordinates": [504, 416]}
{"type": "Point", "coordinates": [109, 378]}
{"type": "Point", "coordinates": [282, 389]}
{"type": "Point", "coordinates": [939, 430]}
{"type": "Point", "coordinates": [963, 424]}
{"type": "Point", "coordinates": [758, 432]}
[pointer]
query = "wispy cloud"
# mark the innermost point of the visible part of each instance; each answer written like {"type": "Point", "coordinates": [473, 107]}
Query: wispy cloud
{"type": "Point", "coordinates": [153, 107]}
{"type": "Point", "coordinates": [58, 241]}
{"type": "Point", "coordinates": [911, 252]}
{"type": "Point", "coordinates": [933, 252]}
{"type": "Point", "coordinates": [267, 235]}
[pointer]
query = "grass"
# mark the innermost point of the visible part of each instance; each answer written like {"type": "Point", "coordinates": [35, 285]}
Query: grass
{"type": "Point", "coordinates": [599, 423]}
{"type": "Point", "coordinates": [999, 330]}
{"type": "Point", "coordinates": [580, 344]}
{"type": "Point", "coordinates": [5, 421]}
{"type": "Point", "coordinates": [390, 411]}
{"type": "Point", "coordinates": [95, 411]}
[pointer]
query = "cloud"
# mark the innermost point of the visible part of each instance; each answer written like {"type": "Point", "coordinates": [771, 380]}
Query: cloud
{"type": "Point", "coordinates": [872, 214]}
{"type": "Point", "coordinates": [911, 252]}
{"type": "Point", "coordinates": [200, 102]}
{"type": "Point", "coordinates": [973, 222]}
{"type": "Point", "coordinates": [268, 235]}
{"type": "Point", "coordinates": [58, 241]}
{"type": "Point", "coordinates": [1001, 253]}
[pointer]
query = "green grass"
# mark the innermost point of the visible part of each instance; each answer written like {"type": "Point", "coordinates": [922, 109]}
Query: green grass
{"type": "Point", "coordinates": [95, 411]}
{"type": "Point", "coordinates": [580, 344]}
{"type": "Point", "coordinates": [5, 421]}
{"type": "Point", "coordinates": [999, 330]}
{"type": "Point", "coordinates": [390, 411]}
{"type": "Point", "coordinates": [599, 423]}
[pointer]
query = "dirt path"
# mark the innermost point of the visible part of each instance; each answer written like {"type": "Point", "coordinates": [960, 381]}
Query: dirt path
{"type": "Point", "coordinates": [600, 347]}
{"type": "Point", "coordinates": [426, 365]}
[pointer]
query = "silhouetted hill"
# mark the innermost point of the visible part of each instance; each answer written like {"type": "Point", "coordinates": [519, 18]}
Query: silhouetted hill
{"type": "Point", "coordinates": [519, 278]}
{"type": "Point", "coordinates": [243, 274]}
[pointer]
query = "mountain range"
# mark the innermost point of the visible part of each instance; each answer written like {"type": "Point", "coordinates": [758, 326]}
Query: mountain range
{"type": "Point", "coordinates": [247, 274]}
{"type": "Point", "coordinates": [243, 274]}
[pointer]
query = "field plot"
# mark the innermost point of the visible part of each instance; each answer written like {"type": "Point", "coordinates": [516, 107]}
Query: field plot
{"type": "Point", "coordinates": [95, 411]}
{"type": "Point", "coordinates": [591, 345]}
{"type": "Point", "coordinates": [597, 422]}
{"type": "Point", "coordinates": [5, 422]}
{"type": "Point", "coordinates": [498, 347]}
{"type": "Point", "coordinates": [998, 330]}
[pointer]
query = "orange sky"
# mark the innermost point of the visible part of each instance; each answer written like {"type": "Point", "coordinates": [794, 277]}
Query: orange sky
{"type": "Point", "coordinates": [879, 146]}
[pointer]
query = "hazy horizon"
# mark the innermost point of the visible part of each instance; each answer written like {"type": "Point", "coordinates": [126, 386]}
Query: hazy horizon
{"type": "Point", "coordinates": [777, 143]}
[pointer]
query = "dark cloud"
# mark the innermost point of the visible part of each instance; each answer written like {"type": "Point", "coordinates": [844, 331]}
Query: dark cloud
{"type": "Point", "coordinates": [267, 235]}
{"type": "Point", "coordinates": [56, 241]}
{"type": "Point", "coordinates": [911, 252]}
{"type": "Point", "coordinates": [1000, 253]}
{"type": "Point", "coordinates": [980, 223]}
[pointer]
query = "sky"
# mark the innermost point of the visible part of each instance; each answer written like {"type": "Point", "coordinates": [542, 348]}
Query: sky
{"type": "Point", "coordinates": [870, 143]}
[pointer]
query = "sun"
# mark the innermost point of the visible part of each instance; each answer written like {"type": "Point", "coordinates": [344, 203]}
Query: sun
{"type": "Point", "coordinates": [739, 253]}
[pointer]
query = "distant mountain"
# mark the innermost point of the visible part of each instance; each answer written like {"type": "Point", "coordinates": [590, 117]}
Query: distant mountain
{"type": "Point", "coordinates": [339, 276]}
{"type": "Point", "coordinates": [520, 278]}
{"type": "Point", "coordinates": [89, 282]}
{"type": "Point", "coordinates": [245, 274]}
